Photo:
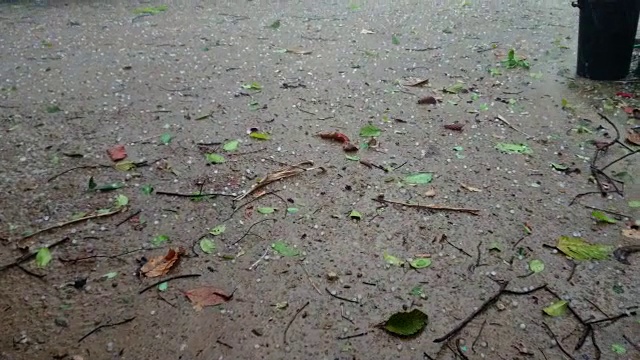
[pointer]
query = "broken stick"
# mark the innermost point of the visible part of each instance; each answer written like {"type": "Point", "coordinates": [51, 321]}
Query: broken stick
{"type": "Point", "coordinates": [381, 199]}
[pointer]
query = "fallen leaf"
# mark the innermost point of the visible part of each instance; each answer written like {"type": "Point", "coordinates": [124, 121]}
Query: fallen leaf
{"type": "Point", "coordinates": [355, 215]}
{"type": "Point", "coordinates": [231, 145]}
{"type": "Point", "coordinates": [252, 86]}
{"type": "Point", "coordinates": [281, 305]}
{"type": "Point", "coordinates": [428, 100]}
{"type": "Point", "coordinates": [283, 249]}
{"type": "Point", "coordinates": [495, 246]}
{"type": "Point", "coordinates": [161, 265]}
{"type": "Point", "coordinates": [218, 230]}
{"type": "Point", "coordinates": [370, 131]}
{"type": "Point", "coordinates": [121, 200]}
{"type": "Point", "coordinates": [454, 89]}
{"type": "Point", "coordinates": [430, 193]}
{"type": "Point", "coordinates": [625, 95]}
{"type": "Point", "coordinates": [275, 25]}
{"type": "Point", "coordinates": [536, 265]}
{"type": "Point", "coordinates": [514, 148]}
{"type": "Point", "coordinates": [207, 245]}
{"type": "Point", "coordinates": [117, 153]}
{"type": "Point", "coordinates": [419, 178]}
{"type": "Point", "coordinates": [559, 167]}
{"type": "Point", "coordinates": [601, 217]}
{"type": "Point", "coordinates": [215, 158]}
{"type": "Point", "coordinates": [365, 31]}
{"type": "Point", "coordinates": [266, 210]}
{"type": "Point", "coordinates": [395, 40]}
{"type": "Point", "coordinates": [416, 291]}
{"type": "Point", "coordinates": [618, 349]}
{"type": "Point", "coordinates": [634, 203]}
{"type": "Point", "coordinates": [470, 188]}
{"type": "Point", "coordinates": [420, 263]}
{"type": "Point", "coordinates": [43, 257]}
{"type": "Point", "coordinates": [207, 296]}
{"type": "Point", "coordinates": [163, 286]}
{"type": "Point", "coordinates": [146, 189]}
{"type": "Point", "coordinates": [579, 249]}
{"type": "Point", "coordinates": [292, 210]}
{"type": "Point", "coordinates": [558, 308]}
{"type": "Point", "coordinates": [298, 51]}
{"type": "Point", "coordinates": [110, 275]}
{"type": "Point", "coordinates": [454, 127]}
{"type": "Point", "coordinates": [633, 137]}
{"type": "Point", "coordinates": [165, 138]}
{"type": "Point", "coordinates": [352, 158]}
{"type": "Point", "coordinates": [259, 135]}
{"type": "Point", "coordinates": [390, 259]}
{"type": "Point", "coordinates": [418, 83]}
{"type": "Point", "coordinates": [105, 187]}
{"type": "Point", "coordinates": [125, 165]}
{"type": "Point", "coordinates": [406, 323]}
{"type": "Point", "coordinates": [159, 240]}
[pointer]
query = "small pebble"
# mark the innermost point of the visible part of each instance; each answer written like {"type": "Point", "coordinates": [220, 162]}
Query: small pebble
{"type": "Point", "coordinates": [109, 346]}
{"type": "Point", "coordinates": [522, 326]}
{"type": "Point", "coordinates": [399, 346]}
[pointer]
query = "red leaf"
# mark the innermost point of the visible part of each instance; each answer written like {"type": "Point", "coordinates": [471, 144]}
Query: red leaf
{"type": "Point", "coordinates": [430, 100]}
{"type": "Point", "coordinates": [628, 110]}
{"type": "Point", "coordinates": [117, 153]}
{"type": "Point", "coordinates": [454, 127]}
{"type": "Point", "coordinates": [334, 136]}
{"type": "Point", "coordinates": [624, 94]}
{"type": "Point", "coordinates": [207, 296]}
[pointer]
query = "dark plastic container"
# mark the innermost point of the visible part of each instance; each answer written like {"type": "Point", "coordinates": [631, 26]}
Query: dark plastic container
{"type": "Point", "coordinates": [606, 37]}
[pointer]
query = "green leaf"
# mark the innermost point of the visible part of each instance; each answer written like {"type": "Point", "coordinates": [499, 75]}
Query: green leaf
{"type": "Point", "coordinates": [406, 323]}
{"type": "Point", "coordinates": [634, 203]}
{"type": "Point", "coordinates": [109, 187]}
{"type": "Point", "coordinates": [231, 145]}
{"type": "Point", "coordinates": [92, 184]}
{"type": "Point", "coordinates": [420, 263]}
{"type": "Point", "coordinates": [484, 107]}
{"type": "Point", "coordinates": [207, 246]}
{"type": "Point", "coordinates": [579, 249]}
{"type": "Point", "coordinates": [618, 289]}
{"type": "Point", "coordinates": [618, 349]}
{"type": "Point", "coordinates": [110, 275]}
{"type": "Point", "coordinates": [121, 200]}
{"type": "Point", "coordinates": [274, 25]}
{"type": "Point", "coordinates": [78, 215]}
{"type": "Point", "coordinates": [514, 148]}
{"type": "Point", "coordinates": [163, 286]}
{"type": "Point", "coordinates": [283, 249]}
{"type": "Point", "coordinates": [159, 240]}
{"type": "Point", "coordinates": [601, 217]}
{"type": "Point", "coordinates": [266, 210]}
{"type": "Point", "coordinates": [458, 148]}
{"type": "Point", "coordinates": [254, 106]}
{"type": "Point", "coordinates": [418, 178]}
{"type": "Point", "coordinates": [151, 10]}
{"type": "Point", "coordinates": [370, 131]}
{"type": "Point", "coordinates": [355, 215]}
{"type": "Point", "coordinates": [455, 88]}
{"type": "Point", "coordinates": [165, 138]}
{"type": "Point", "coordinates": [495, 72]}
{"type": "Point", "coordinates": [495, 246]}
{"type": "Point", "coordinates": [390, 259]}
{"type": "Point", "coordinates": [559, 167]}
{"type": "Point", "coordinates": [146, 189]}
{"type": "Point", "coordinates": [215, 158]}
{"type": "Point", "coordinates": [260, 135]}
{"type": "Point", "coordinates": [536, 265]}
{"type": "Point", "coordinates": [218, 230]}
{"type": "Point", "coordinates": [558, 308]}
{"type": "Point", "coordinates": [352, 158]}
{"type": "Point", "coordinates": [395, 40]}
{"type": "Point", "coordinates": [125, 165]}
{"type": "Point", "coordinates": [416, 291]}
{"type": "Point", "coordinates": [51, 109]}
{"type": "Point", "coordinates": [103, 211]}
{"type": "Point", "coordinates": [292, 210]}
{"type": "Point", "coordinates": [253, 86]}
{"type": "Point", "coordinates": [43, 257]}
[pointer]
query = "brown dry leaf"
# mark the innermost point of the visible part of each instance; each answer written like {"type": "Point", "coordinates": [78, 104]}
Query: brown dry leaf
{"type": "Point", "coordinates": [631, 233]}
{"type": "Point", "coordinates": [207, 296]}
{"type": "Point", "coordinates": [454, 127]}
{"type": "Point", "coordinates": [633, 137]}
{"type": "Point", "coordinates": [161, 265]}
{"type": "Point", "coordinates": [470, 188]}
{"type": "Point", "coordinates": [430, 193]}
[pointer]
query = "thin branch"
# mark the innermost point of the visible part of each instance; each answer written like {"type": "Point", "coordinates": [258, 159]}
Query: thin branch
{"type": "Point", "coordinates": [192, 195]}
{"type": "Point", "coordinates": [607, 211]}
{"type": "Point", "coordinates": [429, 207]}
{"type": "Point", "coordinates": [255, 264]}
{"type": "Point", "coordinates": [99, 256]}
{"type": "Point", "coordinates": [279, 175]}
{"type": "Point", "coordinates": [136, 213]}
{"type": "Point", "coordinates": [340, 297]}
{"type": "Point", "coordinates": [555, 338]}
{"type": "Point", "coordinates": [619, 159]}
{"type": "Point", "coordinates": [66, 223]}
{"type": "Point", "coordinates": [478, 336]}
{"type": "Point", "coordinates": [352, 336]}
{"type": "Point", "coordinates": [455, 247]}
{"type": "Point", "coordinates": [284, 338]}
{"type": "Point", "coordinates": [504, 121]}
{"type": "Point", "coordinates": [309, 278]}
{"type": "Point", "coordinates": [167, 280]}
{"type": "Point", "coordinates": [106, 326]}
{"type": "Point", "coordinates": [251, 227]}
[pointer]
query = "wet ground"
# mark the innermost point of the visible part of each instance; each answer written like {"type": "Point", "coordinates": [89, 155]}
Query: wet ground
{"type": "Point", "coordinates": [299, 268]}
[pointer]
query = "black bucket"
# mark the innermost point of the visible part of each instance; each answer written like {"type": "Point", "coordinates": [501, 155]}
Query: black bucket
{"type": "Point", "coordinates": [606, 37]}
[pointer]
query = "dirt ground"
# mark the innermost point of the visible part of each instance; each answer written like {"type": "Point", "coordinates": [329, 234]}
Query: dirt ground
{"type": "Point", "coordinates": [309, 280]}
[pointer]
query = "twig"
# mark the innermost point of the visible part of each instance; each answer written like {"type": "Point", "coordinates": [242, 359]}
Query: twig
{"type": "Point", "coordinates": [191, 195]}
{"type": "Point", "coordinates": [607, 211]}
{"type": "Point", "coordinates": [518, 242]}
{"type": "Point", "coordinates": [277, 176]}
{"type": "Point", "coordinates": [255, 264]}
{"type": "Point", "coordinates": [29, 272]}
{"type": "Point", "coordinates": [635, 345]}
{"type": "Point", "coordinates": [478, 336]}
{"type": "Point", "coordinates": [342, 315]}
{"type": "Point", "coordinates": [595, 345]}
{"type": "Point", "coordinates": [99, 256]}
{"type": "Point", "coordinates": [31, 255]}
{"type": "Point", "coordinates": [251, 227]}
{"type": "Point", "coordinates": [428, 207]}
{"type": "Point", "coordinates": [340, 297]}
{"type": "Point", "coordinates": [291, 322]}
{"type": "Point", "coordinates": [573, 270]}
{"type": "Point", "coordinates": [455, 247]}
{"type": "Point", "coordinates": [484, 307]}
{"type": "Point", "coordinates": [106, 326]}
{"type": "Point", "coordinates": [129, 218]}
{"type": "Point", "coordinates": [258, 196]}
{"type": "Point", "coordinates": [63, 224]}
{"type": "Point", "coordinates": [352, 336]}
{"type": "Point", "coordinates": [585, 194]}
{"type": "Point", "coordinates": [167, 280]}
{"type": "Point", "coordinates": [596, 306]}
{"type": "Point", "coordinates": [612, 318]}
{"type": "Point", "coordinates": [76, 168]}
{"type": "Point", "coordinates": [224, 343]}
{"type": "Point", "coordinates": [166, 301]}
{"type": "Point", "coordinates": [555, 338]}
{"type": "Point", "coordinates": [309, 278]}
{"type": "Point", "coordinates": [619, 159]}
{"type": "Point", "coordinates": [504, 121]}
